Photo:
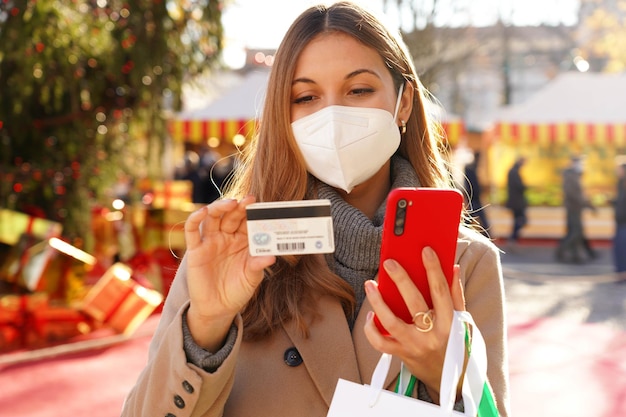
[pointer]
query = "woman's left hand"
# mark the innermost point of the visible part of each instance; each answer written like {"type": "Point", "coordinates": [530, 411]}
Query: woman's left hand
{"type": "Point", "coordinates": [422, 353]}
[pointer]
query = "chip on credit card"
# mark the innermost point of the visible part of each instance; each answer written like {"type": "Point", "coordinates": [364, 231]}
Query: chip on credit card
{"type": "Point", "coordinates": [290, 228]}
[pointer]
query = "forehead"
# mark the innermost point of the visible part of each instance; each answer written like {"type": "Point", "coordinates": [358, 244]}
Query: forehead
{"type": "Point", "coordinates": [338, 53]}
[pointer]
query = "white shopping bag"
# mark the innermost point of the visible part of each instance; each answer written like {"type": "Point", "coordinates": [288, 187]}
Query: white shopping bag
{"type": "Point", "coordinates": [352, 399]}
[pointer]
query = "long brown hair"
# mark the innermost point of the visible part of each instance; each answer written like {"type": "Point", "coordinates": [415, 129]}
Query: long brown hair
{"type": "Point", "coordinates": [273, 169]}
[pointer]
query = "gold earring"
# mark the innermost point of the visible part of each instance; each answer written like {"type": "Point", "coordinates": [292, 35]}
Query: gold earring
{"type": "Point", "coordinates": [403, 127]}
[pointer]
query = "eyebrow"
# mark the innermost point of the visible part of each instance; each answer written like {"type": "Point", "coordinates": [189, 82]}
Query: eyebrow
{"type": "Point", "coordinates": [361, 71]}
{"type": "Point", "coordinates": [347, 77]}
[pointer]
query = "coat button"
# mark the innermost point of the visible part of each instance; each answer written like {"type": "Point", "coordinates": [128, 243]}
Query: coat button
{"type": "Point", "coordinates": [188, 387]}
{"type": "Point", "coordinates": [292, 357]}
{"type": "Point", "coordinates": [179, 402]}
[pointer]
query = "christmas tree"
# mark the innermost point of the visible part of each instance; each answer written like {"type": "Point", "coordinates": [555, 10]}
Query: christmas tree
{"type": "Point", "coordinates": [84, 89]}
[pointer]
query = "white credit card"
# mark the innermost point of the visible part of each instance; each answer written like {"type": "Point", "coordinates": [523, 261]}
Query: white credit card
{"type": "Point", "coordinates": [290, 228]}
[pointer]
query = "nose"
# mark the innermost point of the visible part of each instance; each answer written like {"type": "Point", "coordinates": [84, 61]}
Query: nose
{"type": "Point", "coordinates": [334, 100]}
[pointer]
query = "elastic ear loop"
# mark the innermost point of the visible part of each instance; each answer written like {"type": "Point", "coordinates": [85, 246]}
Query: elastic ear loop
{"type": "Point", "coordinates": [397, 109]}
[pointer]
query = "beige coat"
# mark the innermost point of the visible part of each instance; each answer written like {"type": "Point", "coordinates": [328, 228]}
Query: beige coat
{"type": "Point", "coordinates": [255, 379]}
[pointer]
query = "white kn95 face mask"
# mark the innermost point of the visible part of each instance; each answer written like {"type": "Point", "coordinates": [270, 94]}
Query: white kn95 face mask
{"type": "Point", "coordinates": [345, 146]}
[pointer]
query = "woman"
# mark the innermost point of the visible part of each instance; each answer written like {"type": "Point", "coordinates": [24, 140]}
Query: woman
{"type": "Point", "coordinates": [267, 336]}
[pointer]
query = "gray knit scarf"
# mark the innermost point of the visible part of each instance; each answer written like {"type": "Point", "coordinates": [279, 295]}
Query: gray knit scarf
{"type": "Point", "coordinates": [357, 238]}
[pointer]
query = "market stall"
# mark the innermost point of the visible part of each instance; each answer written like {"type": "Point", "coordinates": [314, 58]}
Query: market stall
{"type": "Point", "coordinates": [232, 113]}
{"type": "Point", "coordinates": [575, 114]}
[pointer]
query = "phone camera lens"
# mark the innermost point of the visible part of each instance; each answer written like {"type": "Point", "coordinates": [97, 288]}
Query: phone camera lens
{"type": "Point", "coordinates": [400, 217]}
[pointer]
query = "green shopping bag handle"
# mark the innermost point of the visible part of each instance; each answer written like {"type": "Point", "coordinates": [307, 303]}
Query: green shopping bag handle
{"type": "Point", "coordinates": [478, 387]}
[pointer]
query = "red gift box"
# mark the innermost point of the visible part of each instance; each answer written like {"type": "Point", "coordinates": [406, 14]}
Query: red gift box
{"type": "Point", "coordinates": [30, 321]}
{"type": "Point", "coordinates": [58, 323]}
{"type": "Point", "coordinates": [14, 318]}
{"type": "Point", "coordinates": [119, 301]}
{"type": "Point", "coordinates": [171, 193]}
{"type": "Point", "coordinates": [50, 265]}
{"type": "Point", "coordinates": [165, 228]}
{"type": "Point", "coordinates": [13, 224]}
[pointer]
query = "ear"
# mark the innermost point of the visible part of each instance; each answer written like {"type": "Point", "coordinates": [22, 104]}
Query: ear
{"type": "Point", "coordinates": [406, 102]}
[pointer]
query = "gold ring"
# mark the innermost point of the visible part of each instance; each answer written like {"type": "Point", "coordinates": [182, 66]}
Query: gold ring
{"type": "Point", "coordinates": [427, 320]}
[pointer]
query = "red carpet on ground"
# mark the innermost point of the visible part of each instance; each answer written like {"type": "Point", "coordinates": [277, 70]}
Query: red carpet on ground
{"type": "Point", "coordinates": [91, 382]}
{"type": "Point", "coordinates": [558, 368]}
{"type": "Point", "coordinates": [561, 368]}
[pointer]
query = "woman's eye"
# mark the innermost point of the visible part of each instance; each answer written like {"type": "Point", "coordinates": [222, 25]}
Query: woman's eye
{"type": "Point", "coordinates": [304, 99]}
{"type": "Point", "coordinates": [361, 91]}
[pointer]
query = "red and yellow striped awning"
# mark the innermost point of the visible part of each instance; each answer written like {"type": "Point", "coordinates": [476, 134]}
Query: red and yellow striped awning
{"type": "Point", "coordinates": [198, 131]}
{"type": "Point", "coordinates": [545, 133]}
{"type": "Point", "coordinates": [454, 130]}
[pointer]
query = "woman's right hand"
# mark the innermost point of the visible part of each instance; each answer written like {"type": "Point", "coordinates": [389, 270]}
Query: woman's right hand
{"type": "Point", "coordinates": [221, 274]}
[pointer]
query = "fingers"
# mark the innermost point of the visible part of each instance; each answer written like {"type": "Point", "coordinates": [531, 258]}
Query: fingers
{"type": "Point", "coordinates": [214, 213]}
{"type": "Point", "coordinates": [439, 289]}
{"type": "Point", "coordinates": [411, 295]}
{"type": "Point", "coordinates": [387, 318]}
{"type": "Point", "coordinates": [192, 227]}
{"type": "Point", "coordinates": [259, 263]}
{"type": "Point", "coordinates": [219, 213]}
{"type": "Point", "coordinates": [444, 302]}
{"type": "Point", "coordinates": [437, 283]}
{"type": "Point", "coordinates": [235, 220]}
{"type": "Point", "coordinates": [374, 336]}
{"type": "Point", "coordinates": [458, 296]}
{"type": "Point", "coordinates": [226, 216]}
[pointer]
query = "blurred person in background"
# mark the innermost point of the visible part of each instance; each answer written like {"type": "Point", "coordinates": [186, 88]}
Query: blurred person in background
{"type": "Point", "coordinates": [188, 170]}
{"type": "Point", "coordinates": [516, 201]}
{"type": "Point", "coordinates": [575, 201]}
{"type": "Point", "coordinates": [472, 193]}
{"type": "Point", "coordinates": [619, 206]}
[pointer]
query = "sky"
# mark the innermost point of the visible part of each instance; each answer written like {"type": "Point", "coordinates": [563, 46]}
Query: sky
{"type": "Point", "coordinates": [262, 23]}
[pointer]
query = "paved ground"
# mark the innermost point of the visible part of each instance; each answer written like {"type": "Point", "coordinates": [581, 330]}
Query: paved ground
{"type": "Point", "coordinates": [539, 286]}
{"type": "Point", "coordinates": [567, 334]}
{"type": "Point", "coordinates": [567, 348]}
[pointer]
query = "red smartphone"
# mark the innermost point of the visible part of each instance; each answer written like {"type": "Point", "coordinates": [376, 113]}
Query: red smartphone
{"type": "Point", "coordinates": [416, 218]}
